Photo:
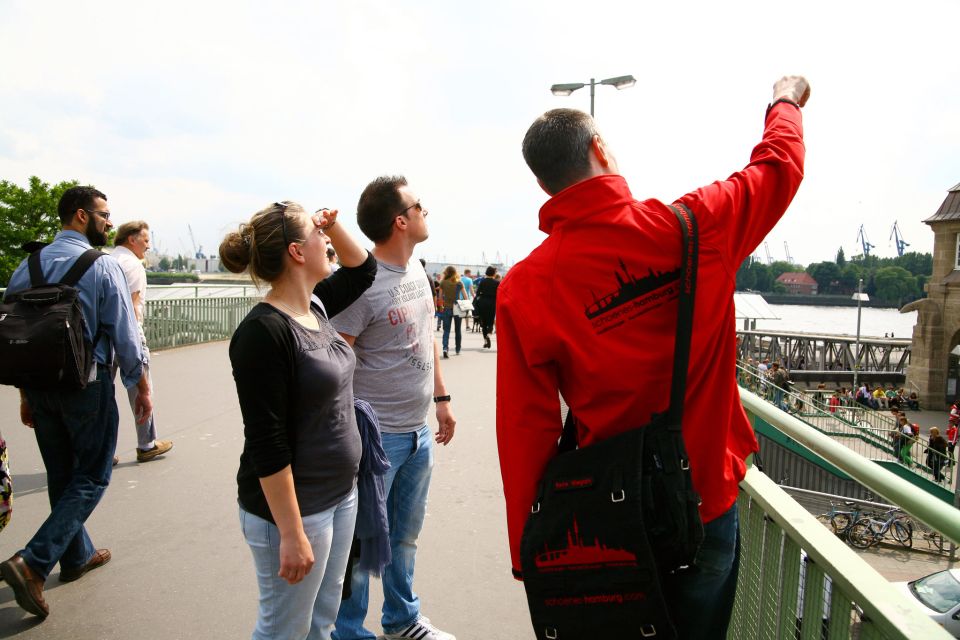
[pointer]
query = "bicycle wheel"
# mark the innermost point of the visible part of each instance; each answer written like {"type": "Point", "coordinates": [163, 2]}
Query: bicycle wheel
{"type": "Point", "coordinates": [902, 532]}
{"type": "Point", "coordinates": [861, 535]}
{"type": "Point", "coordinates": [840, 522]}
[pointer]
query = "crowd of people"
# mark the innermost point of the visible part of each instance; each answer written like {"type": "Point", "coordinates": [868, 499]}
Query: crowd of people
{"type": "Point", "coordinates": [450, 289]}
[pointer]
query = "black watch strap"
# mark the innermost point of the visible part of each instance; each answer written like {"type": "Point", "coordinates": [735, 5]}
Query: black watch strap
{"type": "Point", "coordinates": [776, 102]}
{"type": "Point", "coordinates": [441, 398]}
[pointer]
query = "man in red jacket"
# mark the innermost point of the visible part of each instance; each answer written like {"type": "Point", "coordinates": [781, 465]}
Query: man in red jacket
{"type": "Point", "coordinates": [559, 330]}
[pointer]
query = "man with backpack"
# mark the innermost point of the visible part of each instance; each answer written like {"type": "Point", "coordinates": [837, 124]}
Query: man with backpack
{"type": "Point", "coordinates": [76, 423]}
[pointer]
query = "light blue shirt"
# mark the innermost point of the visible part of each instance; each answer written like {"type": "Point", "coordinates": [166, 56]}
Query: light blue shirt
{"type": "Point", "coordinates": [104, 298]}
{"type": "Point", "coordinates": [467, 286]}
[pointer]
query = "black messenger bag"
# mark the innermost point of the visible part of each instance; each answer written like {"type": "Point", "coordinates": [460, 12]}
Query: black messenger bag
{"type": "Point", "coordinates": [611, 518]}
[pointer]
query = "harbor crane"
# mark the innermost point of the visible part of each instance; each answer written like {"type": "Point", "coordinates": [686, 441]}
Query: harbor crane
{"type": "Point", "coordinates": [896, 236]}
{"type": "Point", "coordinates": [197, 252]}
{"type": "Point", "coordinates": [786, 250]}
{"type": "Point", "coordinates": [862, 239]}
{"type": "Point", "coordinates": [766, 247]}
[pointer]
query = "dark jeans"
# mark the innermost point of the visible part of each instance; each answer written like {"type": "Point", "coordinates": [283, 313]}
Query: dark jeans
{"type": "Point", "coordinates": [701, 598]}
{"type": "Point", "coordinates": [449, 318]}
{"type": "Point", "coordinates": [77, 435]}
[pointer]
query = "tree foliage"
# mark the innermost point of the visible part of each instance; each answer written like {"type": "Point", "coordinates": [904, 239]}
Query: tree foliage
{"type": "Point", "coordinates": [893, 281]}
{"type": "Point", "coordinates": [26, 214]}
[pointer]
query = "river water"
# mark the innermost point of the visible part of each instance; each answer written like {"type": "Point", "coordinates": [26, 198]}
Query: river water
{"type": "Point", "coordinates": [840, 321]}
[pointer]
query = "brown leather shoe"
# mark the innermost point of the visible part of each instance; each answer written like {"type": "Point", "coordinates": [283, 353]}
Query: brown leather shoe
{"type": "Point", "coordinates": [27, 586]}
{"type": "Point", "coordinates": [100, 558]}
{"type": "Point", "coordinates": [160, 447]}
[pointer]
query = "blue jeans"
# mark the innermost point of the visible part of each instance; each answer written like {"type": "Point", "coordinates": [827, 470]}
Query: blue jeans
{"type": "Point", "coordinates": [701, 598]}
{"type": "Point", "coordinates": [306, 609]}
{"type": "Point", "coordinates": [76, 432]}
{"type": "Point", "coordinates": [406, 483]}
{"type": "Point", "coordinates": [448, 317]}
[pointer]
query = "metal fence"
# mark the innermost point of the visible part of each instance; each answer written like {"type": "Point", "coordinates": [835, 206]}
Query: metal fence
{"type": "Point", "coordinates": [797, 579]}
{"type": "Point", "coordinates": [176, 322]}
{"type": "Point", "coordinates": [869, 432]}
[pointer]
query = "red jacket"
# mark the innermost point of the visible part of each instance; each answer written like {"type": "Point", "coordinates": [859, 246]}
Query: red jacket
{"type": "Point", "coordinates": [591, 314]}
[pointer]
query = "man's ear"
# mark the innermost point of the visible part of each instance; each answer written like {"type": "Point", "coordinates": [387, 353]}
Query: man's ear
{"type": "Point", "coordinates": [600, 151]}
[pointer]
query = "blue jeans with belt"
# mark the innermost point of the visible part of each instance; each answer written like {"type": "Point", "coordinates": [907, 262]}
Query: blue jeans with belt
{"type": "Point", "coordinates": [77, 435]}
{"type": "Point", "coordinates": [406, 483]}
{"type": "Point", "coordinates": [701, 597]}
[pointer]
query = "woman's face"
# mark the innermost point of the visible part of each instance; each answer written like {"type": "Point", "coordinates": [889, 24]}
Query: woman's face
{"type": "Point", "coordinates": [315, 246]}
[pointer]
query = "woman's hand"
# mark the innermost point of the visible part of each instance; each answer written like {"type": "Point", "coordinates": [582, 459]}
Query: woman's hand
{"type": "Point", "coordinates": [328, 218]}
{"type": "Point", "coordinates": [296, 557]}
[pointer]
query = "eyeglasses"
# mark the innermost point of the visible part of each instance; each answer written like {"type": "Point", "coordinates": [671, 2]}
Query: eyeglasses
{"type": "Point", "coordinates": [103, 214]}
{"type": "Point", "coordinates": [283, 220]}
{"type": "Point", "coordinates": [419, 208]}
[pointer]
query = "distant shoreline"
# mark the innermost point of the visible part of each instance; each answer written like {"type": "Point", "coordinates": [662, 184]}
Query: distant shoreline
{"type": "Point", "coordinates": [821, 300]}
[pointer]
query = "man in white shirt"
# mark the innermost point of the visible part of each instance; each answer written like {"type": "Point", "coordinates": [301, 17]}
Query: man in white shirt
{"type": "Point", "coordinates": [131, 244]}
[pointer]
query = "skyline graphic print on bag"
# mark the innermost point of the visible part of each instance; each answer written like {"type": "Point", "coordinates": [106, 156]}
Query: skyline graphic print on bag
{"type": "Point", "coordinates": [577, 555]}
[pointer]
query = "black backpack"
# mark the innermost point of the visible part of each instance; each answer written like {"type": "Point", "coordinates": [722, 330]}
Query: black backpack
{"type": "Point", "coordinates": [43, 341]}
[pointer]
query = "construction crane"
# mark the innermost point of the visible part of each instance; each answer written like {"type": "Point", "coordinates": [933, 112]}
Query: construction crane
{"type": "Point", "coordinates": [766, 247]}
{"type": "Point", "coordinates": [786, 250]}
{"type": "Point", "coordinates": [896, 236]}
{"type": "Point", "coordinates": [197, 252]}
{"type": "Point", "coordinates": [862, 239]}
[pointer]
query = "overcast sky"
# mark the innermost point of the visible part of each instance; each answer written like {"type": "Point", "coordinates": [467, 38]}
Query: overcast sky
{"type": "Point", "coordinates": [200, 113]}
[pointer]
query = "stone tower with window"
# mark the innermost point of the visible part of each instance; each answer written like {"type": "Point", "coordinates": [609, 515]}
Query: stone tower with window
{"type": "Point", "coordinates": [934, 371]}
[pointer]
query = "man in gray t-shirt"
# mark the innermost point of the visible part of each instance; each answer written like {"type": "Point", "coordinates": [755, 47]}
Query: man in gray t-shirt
{"type": "Point", "coordinates": [390, 328]}
{"type": "Point", "coordinates": [394, 345]}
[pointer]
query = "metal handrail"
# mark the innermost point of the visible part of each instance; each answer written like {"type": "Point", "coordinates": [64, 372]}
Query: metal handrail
{"type": "Point", "coordinates": [853, 423]}
{"type": "Point", "coordinates": [852, 581]}
{"type": "Point", "coordinates": [921, 505]}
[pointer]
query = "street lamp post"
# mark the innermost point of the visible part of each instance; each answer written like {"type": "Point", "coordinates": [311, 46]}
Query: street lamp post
{"type": "Point", "coordinates": [618, 82]}
{"type": "Point", "coordinates": [859, 296]}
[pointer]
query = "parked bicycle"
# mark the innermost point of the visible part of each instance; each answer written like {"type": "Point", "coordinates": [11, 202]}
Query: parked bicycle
{"type": "Point", "coordinates": [840, 520]}
{"type": "Point", "coordinates": [868, 531]}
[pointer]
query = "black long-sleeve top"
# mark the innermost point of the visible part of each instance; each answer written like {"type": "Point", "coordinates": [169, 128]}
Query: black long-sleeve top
{"type": "Point", "coordinates": [295, 387]}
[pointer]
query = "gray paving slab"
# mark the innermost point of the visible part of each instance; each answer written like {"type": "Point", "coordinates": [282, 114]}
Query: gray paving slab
{"type": "Point", "coordinates": [180, 567]}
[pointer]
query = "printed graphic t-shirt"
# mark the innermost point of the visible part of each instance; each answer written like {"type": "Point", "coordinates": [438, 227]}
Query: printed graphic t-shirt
{"type": "Point", "coordinates": [392, 322]}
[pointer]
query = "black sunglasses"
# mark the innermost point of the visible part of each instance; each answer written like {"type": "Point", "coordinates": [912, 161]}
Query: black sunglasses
{"type": "Point", "coordinates": [419, 208]}
{"type": "Point", "coordinates": [283, 220]}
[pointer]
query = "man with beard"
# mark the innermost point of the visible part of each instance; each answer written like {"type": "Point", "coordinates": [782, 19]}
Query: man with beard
{"type": "Point", "coordinates": [77, 444]}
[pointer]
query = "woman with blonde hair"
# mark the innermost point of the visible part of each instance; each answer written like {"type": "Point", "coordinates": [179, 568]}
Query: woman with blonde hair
{"type": "Point", "coordinates": [452, 290]}
{"type": "Point", "coordinates": [294, 375]}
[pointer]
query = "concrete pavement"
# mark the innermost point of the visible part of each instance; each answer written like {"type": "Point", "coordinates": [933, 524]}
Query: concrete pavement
{"type": "Point", "coordinates": [180, 567]}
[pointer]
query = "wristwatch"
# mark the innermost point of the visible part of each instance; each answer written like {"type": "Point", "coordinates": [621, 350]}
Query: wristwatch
{"type": "Point", "coordinates": [441, 398]}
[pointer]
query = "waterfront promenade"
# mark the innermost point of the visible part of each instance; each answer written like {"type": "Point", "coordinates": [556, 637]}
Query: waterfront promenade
{"type": "Point", "coordinates": [180, 567]}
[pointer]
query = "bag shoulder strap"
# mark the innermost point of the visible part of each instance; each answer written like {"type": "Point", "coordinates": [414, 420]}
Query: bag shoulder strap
{"type": "Point", "coordinates": [688, 287]}
{"type": "Point", "coordinates": [86, 259]}
{"type": "Point", "coordinates": [36, 271]}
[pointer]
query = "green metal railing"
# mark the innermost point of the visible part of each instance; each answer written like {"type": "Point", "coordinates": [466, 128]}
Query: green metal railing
{"type": "Point", "coordinates": [866, 431]}
{"type": "Point", "coordinates": [797, 579]}
{"type": "Point", "coordinates": [179, 322]}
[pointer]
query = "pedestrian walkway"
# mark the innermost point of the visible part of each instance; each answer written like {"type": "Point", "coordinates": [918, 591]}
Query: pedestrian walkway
{"type": "Point", "coordinates": [180, 568]}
